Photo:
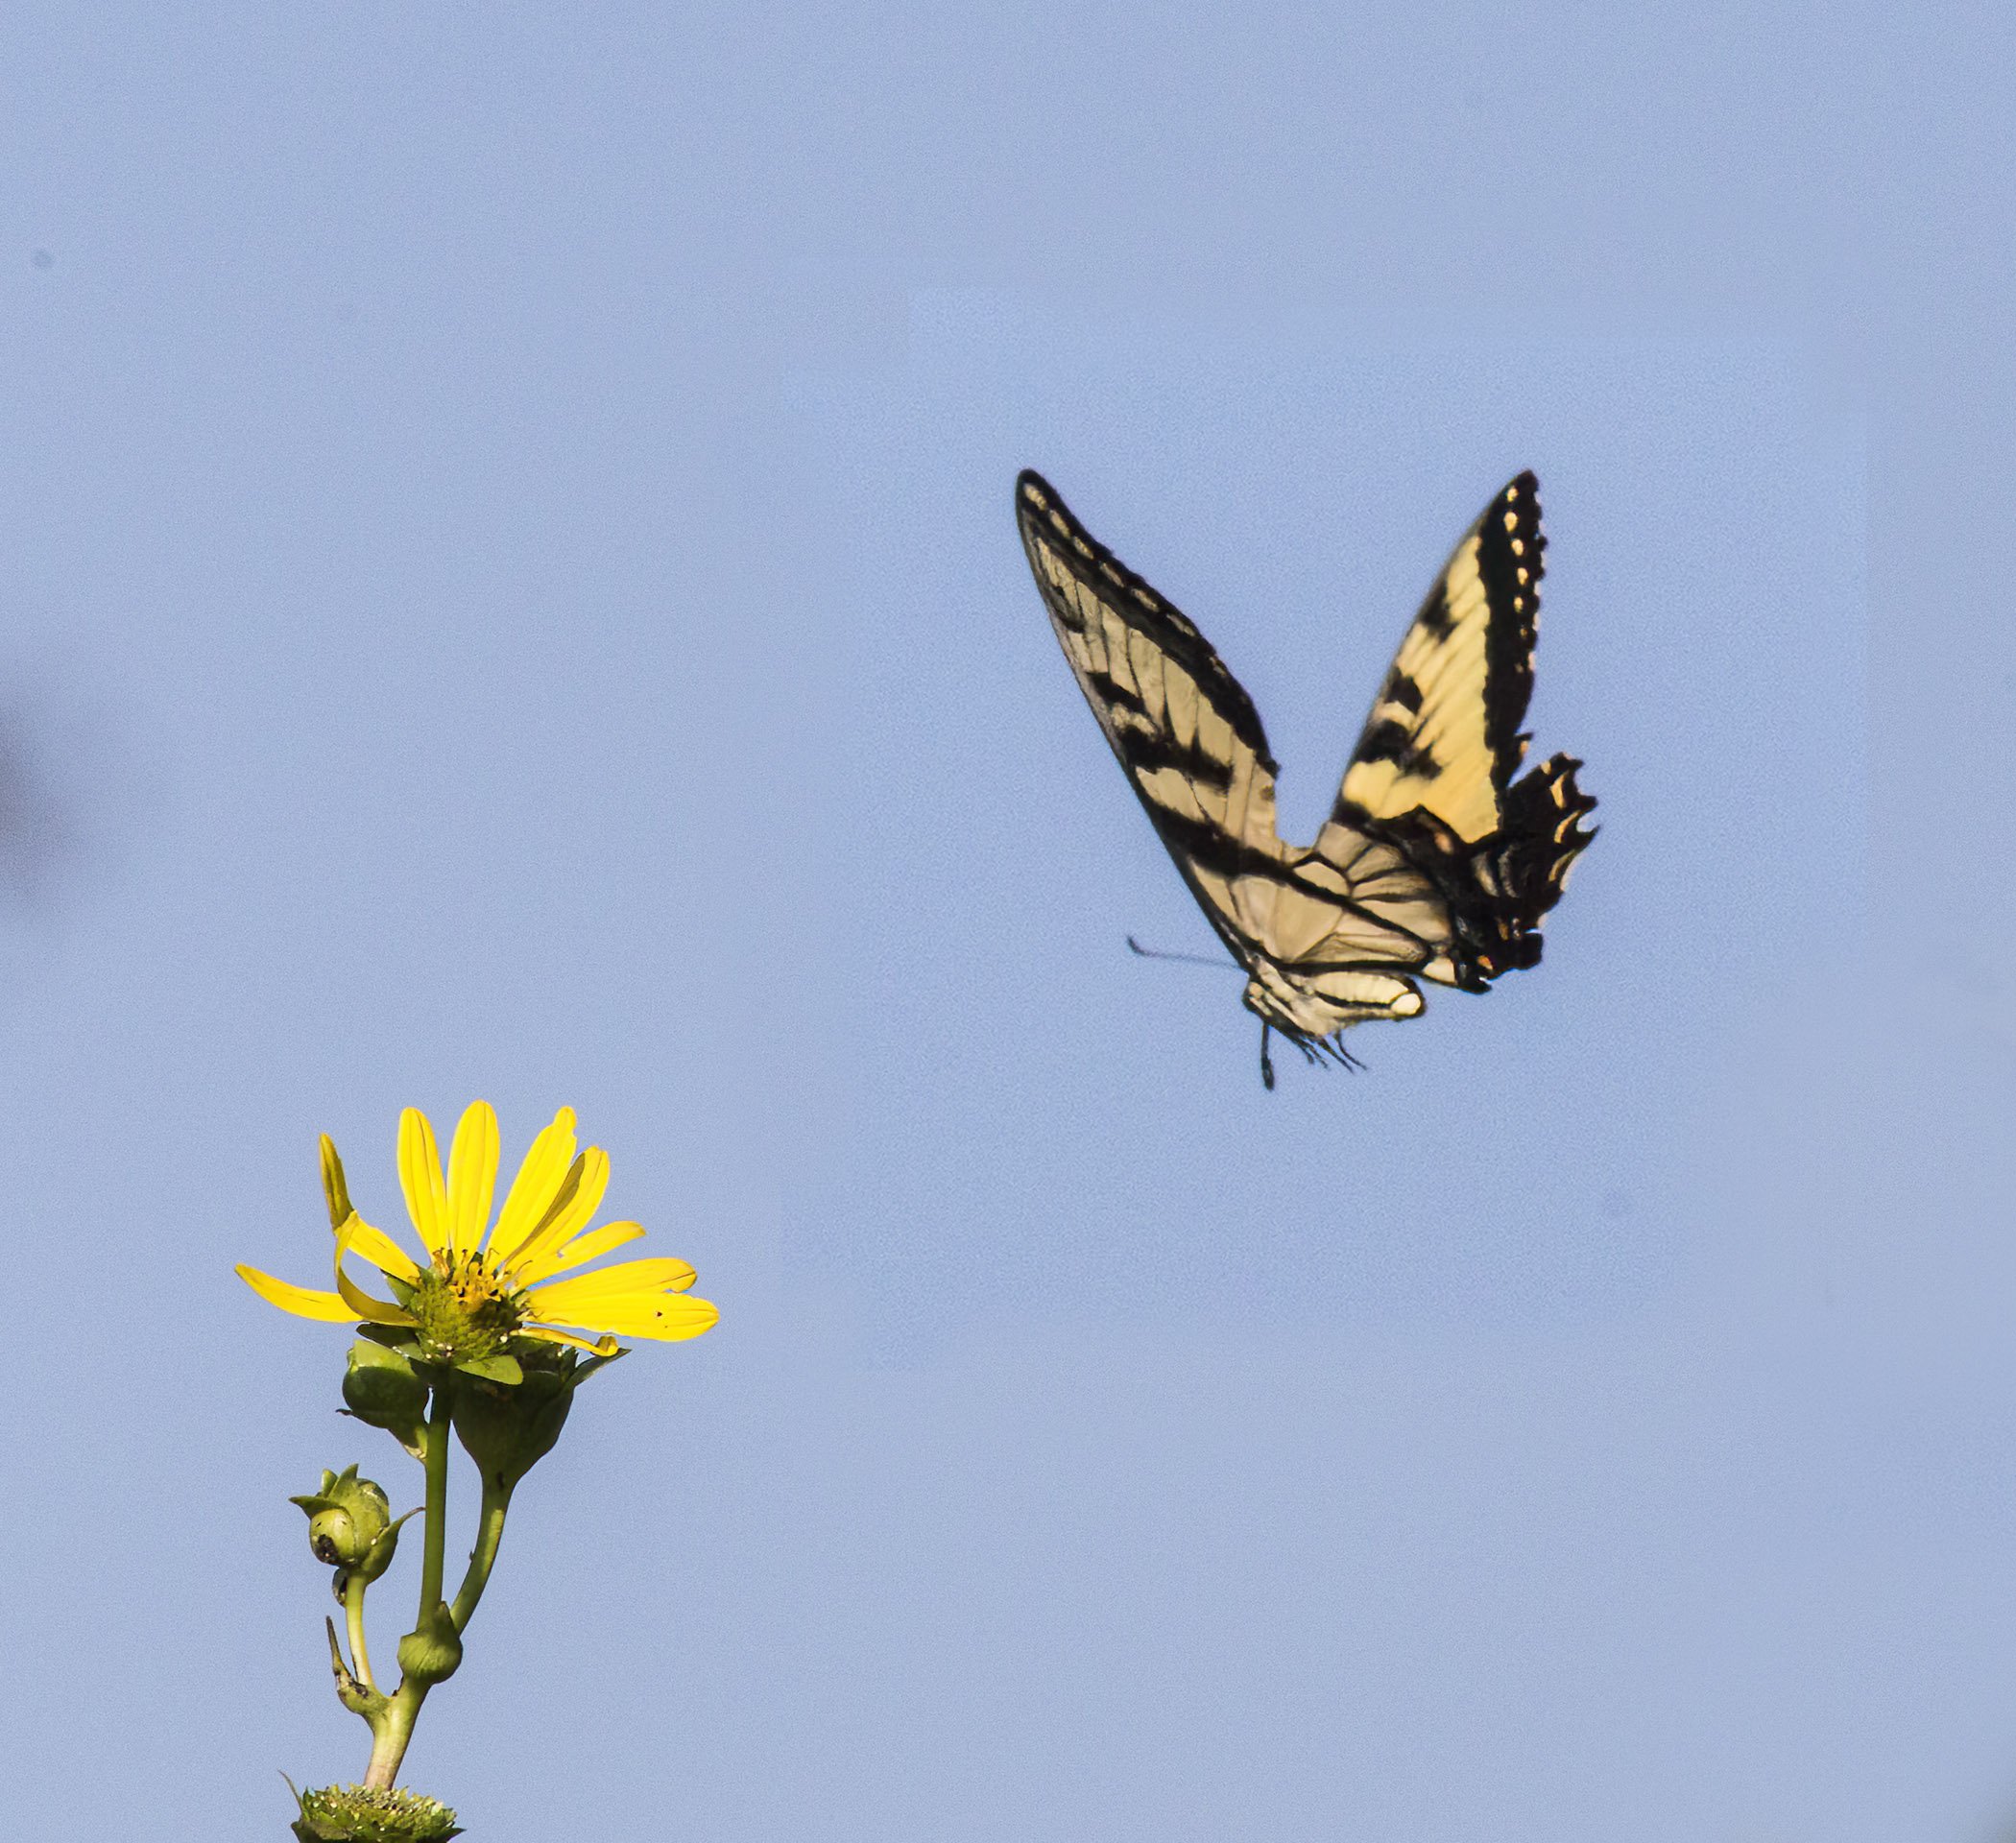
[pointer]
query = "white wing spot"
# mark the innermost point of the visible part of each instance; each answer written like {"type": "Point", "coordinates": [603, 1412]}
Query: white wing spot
{"type": "Point", "coordinates": [1511, 521]}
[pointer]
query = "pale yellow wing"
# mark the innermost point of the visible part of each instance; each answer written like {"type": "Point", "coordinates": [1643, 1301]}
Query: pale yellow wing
{"type": "Point", "coordinates": [1444, 730]}
{"type": "Point", "coordinates": [1433, 774]}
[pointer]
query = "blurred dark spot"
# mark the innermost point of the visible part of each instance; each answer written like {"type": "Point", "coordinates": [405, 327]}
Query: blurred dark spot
{"type": "Point", "coordinates": [43, 259]}
{"type": "Point", "coordinates": [31, 828]}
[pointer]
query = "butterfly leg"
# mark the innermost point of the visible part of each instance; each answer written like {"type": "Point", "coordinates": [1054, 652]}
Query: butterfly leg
{"type": "Point", "coordinates": [1344, 1058]}
{"type": "Point", "coordinates": [1266, 1060]}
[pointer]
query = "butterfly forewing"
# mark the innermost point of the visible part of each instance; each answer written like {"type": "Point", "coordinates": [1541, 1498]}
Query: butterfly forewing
{"type": "Point", "coordinates": [1181, 726]}
{"type": "Point", "coordinates": [1444, 730]}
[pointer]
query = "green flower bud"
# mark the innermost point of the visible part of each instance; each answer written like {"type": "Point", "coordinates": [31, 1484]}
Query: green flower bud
{"type": "Point", "coordinates": [333, 1534]}
{"type": "Point", "coordinates": [345, 1520]}
{"type": "Point", "coordinates": [381, 1389]}
{"type": "Point", "coordinates": [508, 1427]}
{"type": "Point", "coordinates": [432, 1651]}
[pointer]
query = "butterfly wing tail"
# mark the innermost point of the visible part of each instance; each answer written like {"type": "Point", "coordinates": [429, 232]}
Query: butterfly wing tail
{"type": "Point", "coordinates": [1542, 837]}
{"type": "Point", "coordinates": [1498, 890]}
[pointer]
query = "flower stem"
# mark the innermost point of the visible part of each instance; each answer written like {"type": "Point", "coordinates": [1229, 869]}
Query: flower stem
{"type": "Point", "coordinates": [489, 1532]}
{"type": "Point", "coordinates": [354, 1617]}
{"type": "Point", "coordinates": [434, 1551]}
{"type": "Point", "coordinates": [392, 1724]}
{"type": "Point", "coordinates": [390, 1733]}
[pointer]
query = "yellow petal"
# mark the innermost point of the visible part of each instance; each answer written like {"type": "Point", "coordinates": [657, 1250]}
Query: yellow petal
{"type": "Point", "coordinates": [582, 1249]}
{"type": "Point", "coordinates": [380, 1250]}
{"type": "Point", "coordinates": [578, 1199]}
{"type": "Point", "coordinates": [472, 1175]}
{"type": "Point", "coordinates": [333, 1186]}
{"type": "Point", "coordinates": [660, 1273]}
{"type": "Point", "coordinates": [420, 1177]}
{"type": "Point", "coordinates": [532, 1189]}
{"type": "Point", "coordinates": [601, 1346]}
{"type": "Point", "coordinates": [298, 1300]}
{"type": "Point", "coordinates": [361, 1303]}
{"type": "Point", "coordinates": [665, 1316]}
{"type": "Point", "coordinates": [563, 1194]}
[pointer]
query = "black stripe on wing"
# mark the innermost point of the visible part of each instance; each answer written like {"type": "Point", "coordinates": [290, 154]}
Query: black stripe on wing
{"type": "Point", "coordinates": [1509, 560]}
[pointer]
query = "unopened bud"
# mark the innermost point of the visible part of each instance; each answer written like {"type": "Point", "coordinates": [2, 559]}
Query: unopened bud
{"type": "Point", "coordinates": [381, 1389]}
{"type": "Point", "coordinates": [347, 1518]}
{"type": "Point", "coordinates": [507, 1428]}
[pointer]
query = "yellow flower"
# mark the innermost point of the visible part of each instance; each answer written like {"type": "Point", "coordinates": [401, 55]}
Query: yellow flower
{"type": "Point", "coordinates": [478, 1291]}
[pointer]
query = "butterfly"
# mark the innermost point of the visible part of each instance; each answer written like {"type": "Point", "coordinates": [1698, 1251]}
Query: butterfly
{"type": "Point", "coordinates": [1434, 863]}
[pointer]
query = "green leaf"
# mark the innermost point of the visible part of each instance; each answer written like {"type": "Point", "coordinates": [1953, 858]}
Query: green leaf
{"type": "Point", "coordinates": [503, 1368]}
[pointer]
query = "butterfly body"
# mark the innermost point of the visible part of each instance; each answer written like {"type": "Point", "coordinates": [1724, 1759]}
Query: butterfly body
{"type": "Point", "coordinates": [1434, 863]}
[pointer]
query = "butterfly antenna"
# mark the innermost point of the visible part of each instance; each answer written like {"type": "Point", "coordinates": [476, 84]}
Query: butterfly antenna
{"type": "Point", "coordinates": [1192, 959]}
{"type": "Point", "coordinates": [1266, 1060]}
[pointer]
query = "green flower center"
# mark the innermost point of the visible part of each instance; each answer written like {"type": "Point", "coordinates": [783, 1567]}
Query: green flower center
{"type": "Point", "coordinates": [462, 1309]}
{"type": "Point", "coordinates": [351, 1814]}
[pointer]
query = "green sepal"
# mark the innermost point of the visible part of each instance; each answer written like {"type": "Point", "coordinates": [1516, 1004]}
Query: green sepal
{"type": "Point", "coordinates": [378, 1557]}
{"type": "Point", "coordinates": [353, 1815]}
{"type": "Point", "coordinates": [395, 1337]}
{"type": "Point", "coordinates": [432, 1651]}
{"type": "Point", "coordinates": [503, 1368]}
{"type": "Point", "coordinates": [402, 1290]}
{"type": "Point", "coordinates": [586, 1366]}
{"type": "Point", "coordinates": [382, 1389]}
{"type": "Point", "coordinates": [507, 1431]}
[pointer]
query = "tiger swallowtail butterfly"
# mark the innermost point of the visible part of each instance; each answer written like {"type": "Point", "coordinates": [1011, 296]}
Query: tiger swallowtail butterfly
{"type": "Point", "coordinates": [1434, 863]}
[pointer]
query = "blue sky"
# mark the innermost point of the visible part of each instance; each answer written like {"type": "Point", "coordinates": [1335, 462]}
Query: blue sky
{"type": "Point", "coordinates": [513, 590]}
